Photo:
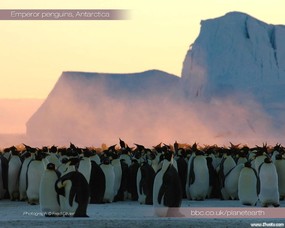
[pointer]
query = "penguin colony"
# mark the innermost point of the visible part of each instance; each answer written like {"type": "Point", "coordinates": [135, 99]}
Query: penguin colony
{"type": "Point", "coordinates": [63, 181]}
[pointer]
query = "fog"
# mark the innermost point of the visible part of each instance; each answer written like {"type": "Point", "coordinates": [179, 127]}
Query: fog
{"type": "Point", "coordinates": [92, 109]}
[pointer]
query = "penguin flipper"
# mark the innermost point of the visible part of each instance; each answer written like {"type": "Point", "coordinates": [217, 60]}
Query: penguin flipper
{"type": "Point", "coordinates": [72, 195]}
{"type": "Point", "coordinates": [257, 181]}
{"type": "Point", "coordinates": [161, 193]}
{"type": "Point", "coordinates": [192, 173]}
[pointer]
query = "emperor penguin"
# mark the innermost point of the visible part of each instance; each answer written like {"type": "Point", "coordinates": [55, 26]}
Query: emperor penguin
{"type": "Point", "coordinates": [145, 178]}
{"type": "Point", "coordinates": [34, 173]}
{"type": "Point", "coordinates": [167, 192]}
{"type": "Point", "coordinates": [269, 193]}
{"type": "Point", "coordinates": [3, 177]}
{"type": "Point", "coordinates": [97, 184]}
{"type": "Point", "coordinates": [231, 181]}
{"type": "Point", "coordinates": [76, 193]}
{"type": "Point", "coordinates": [198, 177]}
{"type": "Point", "coordinates": [14, 167]}
{"type": "Point", "coordinates": [248, 185]}
{"type": "Point", "coordinates": [28, 157]}
{"type": "Point", "coordinates": [280, 168]}
{"type": "Point", "coordinates": [182, 169]}
{"type": "Point", "coordinates": [53, 157]}
{"type": "Point", "coordinates": [116, 163]}
{"type": "Point", "coordinates": [109, 174]}
{"type": "Point", "coordinates": [132, 180]}
{"type": "Point", "coordinates": [49, 200]}
{"type": "Point", "coordinates": [260, 155]}
{"type": "Point", "coordinates": [85, 165]}
{"type": "Point", "coordinates": [226, 165]}
{"type": "Point", "coordinates": [125, 153]}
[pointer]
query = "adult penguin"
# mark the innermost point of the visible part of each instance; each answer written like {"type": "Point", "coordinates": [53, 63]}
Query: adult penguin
{"type": "Point", "coordinates": [198, 177]}
{"type": "Point", "coordinates": [145, 180]}
{"type": "Point", "coordinates": [34, 173]}
{"type": "Point", "coordinates": [49, 200]}
{"type": "Point", "coordinates": [97, 184]}
{"type": "Point", "coordinates": [132, 180]}
{"type": "Point", "coordinates": [182, 169]}
{"type": "Point", "coordinates": [231, 181]}
{"type": "Point", "coordinates": [269, 194]}
{"type": "Point", "coordinates": [280, 168]}
{"type": "Point", "coordinates": [226, 165]}
{"type": "Point", "coordinates": [14, 167]}
{"type": "Point", "coordinates": [76, 193]}
{"type": "Point", "coordinates": [214, 191]}
{"type": "Point", "coordinates": [123, 190]}
{"type": "Point", "coordinates": [125, 153]}
{"type": "Point", "coordinates": [28, 157]}
{"type": "Point", "coordinates": [85, 165]}
{"type": "Point", "coordinates": [3, 177]}
{"type": "Point", "coordinates": [248, 185]}
{"type": "Point", "coordinates": [167, 192]}
{"type": "Point", "coordinates": [116, 163]}
{"type": "Point", "coordinates": [109, 175]}
{"type": "Point", "coordinates": [53, 157]}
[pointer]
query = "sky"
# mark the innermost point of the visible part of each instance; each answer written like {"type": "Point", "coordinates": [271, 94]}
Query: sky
{"type": "Point", "coordinates": [157, 36]}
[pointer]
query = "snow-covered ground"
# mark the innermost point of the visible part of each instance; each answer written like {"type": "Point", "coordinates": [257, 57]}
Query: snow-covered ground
{"type": "Point", "coordinates": [125, 214]}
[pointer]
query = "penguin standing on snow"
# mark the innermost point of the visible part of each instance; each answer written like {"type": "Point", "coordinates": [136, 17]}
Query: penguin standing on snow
{"type": "Point", "coordinates": [280, 168]}
{"type": "Point", "coordinates": [34, 173]}
{"type": "Point", "coordinates": [14, 167]}
{"type": "Point", "coordinates": [49, 200]}
{"type": "Point", "coordinates": [167, 192]}
{"type": "Point", "coordinates": [198, 177]}
{"type": "Point", "coordinates": [3, 177]}
{"type": "Point", "coordinates": [97, 184]}
{"type": "Point", "coordinates": [182, 169]}
{"type": "Point", "coordinates": [145, 180]}
{"type": "Point", "coordinates": [226, 165]}
{"type": "Point", "coordinates": [269, 194]}
{"type": "Point", "coordinates": [76, 191]}
{"type": "Point", "coordinates": [109, 175]}
{"type": "Point", "coordinates": [248, 185]}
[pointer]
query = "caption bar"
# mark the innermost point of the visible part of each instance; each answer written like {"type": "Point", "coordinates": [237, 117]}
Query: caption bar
{"type": "Point", "coordinates": [215, 212]}
{"type": "Point", "coordinates": [112, 14]}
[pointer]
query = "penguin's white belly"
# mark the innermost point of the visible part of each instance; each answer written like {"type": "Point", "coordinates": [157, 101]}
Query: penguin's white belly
{"type": "Point", "coordinates": [199, 189]}
{"type": "Point", "coordinates": [231, 181]}
{"type": "Point", "coordinates": [48, 195]}
{"type": "Point", "coordinates": [109, 183]}
{"type": "Point", "coordinates": [69, 210]}
{"type": "Point", "coordinates": [23, 179]}
{"type": "Point", "coordinates": [156, 187]}
{"type": "Point", "coordinates": [280, 168]}
{"type": "Point", "coordinates": [269, 193]}
{"type": "Point", "coordinates": [142, 196]}
{"type": "Point", "coordinates": [13, 176]}
{"type": "Point", "coordinates": [118, 176]}
{"type": "Point", "coordinates": [85, 168]}
{"type": "Point", "coordinates": [34, 179]}
{"type": "Point", "coordinates": [247, 187]}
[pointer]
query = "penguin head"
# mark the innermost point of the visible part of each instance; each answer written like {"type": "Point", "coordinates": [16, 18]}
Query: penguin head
{"type": "Point", "coordinates": [267, 160]}
{"type": "Point", "coordinates": [105, 160]}
{"type": "Point", "coordinates": [278, 156]}
{"type": "Point", "coordinates": [64, 160]}
{"type": "Point", "coordinates": [51, 166]}
{"type": "Point", "coordinates": [53, 149]}
{"type": "Point", "coordinates": [88, 153]}
{"type": "Point", "coordinates": [247, 164]}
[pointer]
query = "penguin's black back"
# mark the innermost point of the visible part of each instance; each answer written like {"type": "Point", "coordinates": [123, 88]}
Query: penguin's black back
{"type": "Point", "coordinates": [97, 184]}
{"type": "Point", "coordinates": [170, 188]}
